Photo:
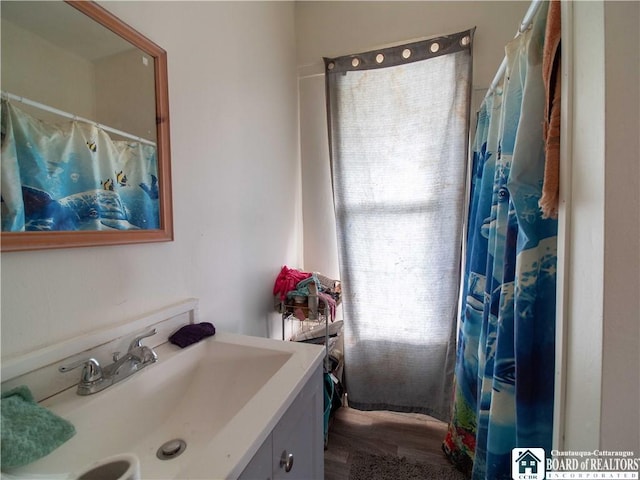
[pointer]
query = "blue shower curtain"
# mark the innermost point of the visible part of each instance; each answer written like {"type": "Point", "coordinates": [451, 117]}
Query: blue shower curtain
{"type": "Point", "coordinates": [504, 385]}
{"type": "Point", "coordinates": [74, 176]}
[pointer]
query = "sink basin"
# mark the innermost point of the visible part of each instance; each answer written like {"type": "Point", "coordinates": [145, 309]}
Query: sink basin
{"type": "Point", "coordinates": [221, 396]}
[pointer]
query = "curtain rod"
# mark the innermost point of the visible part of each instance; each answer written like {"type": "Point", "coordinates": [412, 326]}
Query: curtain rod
{"type": "Point", "coordinates": [47, 108]}
{"type": "Point", "coordinates": [524, 25]}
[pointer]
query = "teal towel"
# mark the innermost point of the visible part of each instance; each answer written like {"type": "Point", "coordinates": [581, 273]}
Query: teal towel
{"type": "Point", "coordinates": [29, 431]}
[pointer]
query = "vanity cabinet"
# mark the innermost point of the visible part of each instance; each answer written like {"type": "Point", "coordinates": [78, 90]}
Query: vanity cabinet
{"type": "Point", "coordinates": [294, 449]}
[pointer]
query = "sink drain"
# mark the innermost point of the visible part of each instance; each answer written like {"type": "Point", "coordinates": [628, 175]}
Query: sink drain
{"type": "Point", "coordinates": [171, 449]}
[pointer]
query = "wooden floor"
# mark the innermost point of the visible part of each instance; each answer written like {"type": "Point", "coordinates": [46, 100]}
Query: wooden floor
{"type": "Point", "coordinates": [416, 437]}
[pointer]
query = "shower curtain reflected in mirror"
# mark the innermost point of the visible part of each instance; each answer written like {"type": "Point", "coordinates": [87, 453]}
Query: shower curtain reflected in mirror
{"type": "Point", "coordinates": [73, 176]}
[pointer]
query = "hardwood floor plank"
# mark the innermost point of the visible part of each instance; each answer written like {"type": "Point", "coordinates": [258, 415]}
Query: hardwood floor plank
{"type": "Point", "coordinates": [414, 436]}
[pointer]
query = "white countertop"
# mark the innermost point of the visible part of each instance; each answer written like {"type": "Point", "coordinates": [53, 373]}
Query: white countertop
{"type": "Point", "coordinates": [225, 454]}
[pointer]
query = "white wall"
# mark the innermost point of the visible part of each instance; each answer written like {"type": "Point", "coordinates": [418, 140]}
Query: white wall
{"type": "Point", "coordinates": [603, 316]}
{"type": "Point", "coordinates": [620, 422]}
{"type": "Point", "coordinates": [115, 90]}
{"type": "Point", "coordinates": [235, 167]}
{"type": "Point", "coordinates": [125, 93]}
{"type": "Point", "coordinates": [585, 235]}
{"type": "Point", "coordinates": [28, 58]}
{"type": "Point", "coordinates": [329, 29]}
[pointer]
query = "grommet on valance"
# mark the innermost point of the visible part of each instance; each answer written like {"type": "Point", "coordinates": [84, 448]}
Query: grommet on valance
{"type": "Point", "coordinates": [401, 54]}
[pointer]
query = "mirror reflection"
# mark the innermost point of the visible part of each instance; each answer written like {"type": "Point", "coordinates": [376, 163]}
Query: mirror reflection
{"type": "Point", "coordinates": [78, 124]}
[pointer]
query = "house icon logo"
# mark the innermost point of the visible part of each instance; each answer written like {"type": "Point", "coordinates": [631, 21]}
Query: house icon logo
{"type": "Point", "coordinates": [527, 464]}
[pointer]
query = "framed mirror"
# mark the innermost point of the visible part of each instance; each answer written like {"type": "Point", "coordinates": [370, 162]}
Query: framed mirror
{"type": "Point", "coordinates": [85, 129]}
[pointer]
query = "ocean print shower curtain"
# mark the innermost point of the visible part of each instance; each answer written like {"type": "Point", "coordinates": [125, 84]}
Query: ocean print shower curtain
{"type": "Point", "coordinates": [504, 386]}
{"type": "Point", "coordinates": [74, 177]}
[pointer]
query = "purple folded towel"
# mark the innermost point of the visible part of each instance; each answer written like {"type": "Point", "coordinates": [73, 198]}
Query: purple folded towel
{"type": "Point", "coordinates": [192, 333]}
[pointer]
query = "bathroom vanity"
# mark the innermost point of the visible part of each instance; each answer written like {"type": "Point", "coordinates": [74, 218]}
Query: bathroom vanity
{"type": "Point", "coordinates": [230, 406]}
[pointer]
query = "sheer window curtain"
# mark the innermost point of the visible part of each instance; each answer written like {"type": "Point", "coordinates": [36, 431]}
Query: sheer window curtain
{"type": "Point", "coordinates": [398, 128]}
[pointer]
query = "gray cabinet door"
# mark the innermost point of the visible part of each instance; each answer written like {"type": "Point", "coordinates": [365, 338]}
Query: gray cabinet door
{"type": "Point", "coordinates": [261, 465]}
{"type": "Point", "coordinates": [298, 440]}
{"type": "Point", "coordinates": [295, 448]}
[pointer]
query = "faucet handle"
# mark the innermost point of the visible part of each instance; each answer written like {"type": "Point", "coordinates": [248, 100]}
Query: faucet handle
{"type": "Point", "coordinates": [91, 370]}
{"type": "Point", "coordinates": [135, 343]}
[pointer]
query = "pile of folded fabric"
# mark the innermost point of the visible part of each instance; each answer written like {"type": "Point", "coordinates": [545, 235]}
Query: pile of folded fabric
{"type": "Point", "coordinates": [304, 294]}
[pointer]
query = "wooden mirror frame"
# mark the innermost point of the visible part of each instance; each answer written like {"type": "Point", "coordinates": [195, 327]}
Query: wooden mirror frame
{"type": "Point", "coordinates": [21, 241]}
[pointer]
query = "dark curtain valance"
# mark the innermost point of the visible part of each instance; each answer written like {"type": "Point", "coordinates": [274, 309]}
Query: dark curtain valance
{"type": "Point", "coordinates": [402, 54]}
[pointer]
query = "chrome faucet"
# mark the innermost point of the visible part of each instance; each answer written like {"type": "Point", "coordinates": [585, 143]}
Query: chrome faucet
{"type": "Point", "coordinates": [95, 378]}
